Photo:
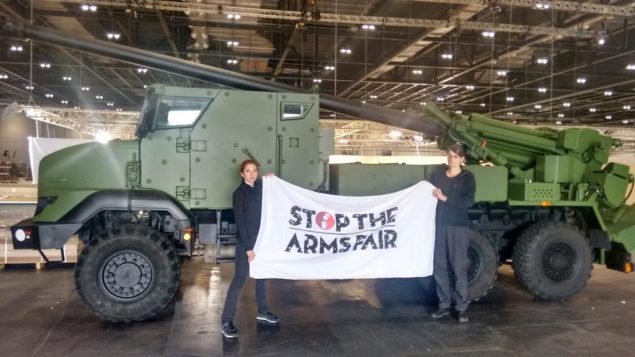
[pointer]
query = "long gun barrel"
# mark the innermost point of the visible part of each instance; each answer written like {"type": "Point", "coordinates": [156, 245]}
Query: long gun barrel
{"type": "Point", "coordinates": [174, 65]}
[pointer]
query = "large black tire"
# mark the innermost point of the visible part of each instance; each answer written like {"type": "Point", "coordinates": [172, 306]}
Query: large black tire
{"type": "Point", "coordinates": [552, 260]}
{"type": "Point", "coordinates": [127, 274]}
{"type": "Point", "coordinates": [483, 268]}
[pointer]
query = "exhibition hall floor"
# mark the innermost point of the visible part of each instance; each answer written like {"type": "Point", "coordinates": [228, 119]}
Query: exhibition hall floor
{"type": "Point", "coordinates": [42, 315]}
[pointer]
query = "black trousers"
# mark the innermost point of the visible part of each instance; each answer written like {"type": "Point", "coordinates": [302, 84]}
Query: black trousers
{"type": "Point", "coordinates": [240, 275]}
{"type": "Point", "coordinates": [450, 255]}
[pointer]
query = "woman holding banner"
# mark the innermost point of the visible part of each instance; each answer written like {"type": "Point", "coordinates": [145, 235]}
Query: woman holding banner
{"type": "Point", "coordinates": [247, 203]}
{"type": "Point", "coordinates": [455, 189]}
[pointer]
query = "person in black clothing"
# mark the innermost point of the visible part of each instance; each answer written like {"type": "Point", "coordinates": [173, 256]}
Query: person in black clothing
{"type": "Point", "coordinates": [247, 200]}
{"type": "Point", "coordinates": [455, 188]}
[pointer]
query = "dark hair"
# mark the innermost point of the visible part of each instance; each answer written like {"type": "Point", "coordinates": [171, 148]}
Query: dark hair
{"type": "Point", "coordinates": [457, 149]}
{"type": "Point", "coordinates": [247, 162]}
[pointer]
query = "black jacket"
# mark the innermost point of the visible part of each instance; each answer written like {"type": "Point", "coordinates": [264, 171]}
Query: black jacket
{"type": "Point", "coordinates": [460, 191]}
{"type": "Point", "coordinates": [247, 205]}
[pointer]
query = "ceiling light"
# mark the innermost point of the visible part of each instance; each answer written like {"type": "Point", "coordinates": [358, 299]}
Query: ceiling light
{"type": "Point", "coordinates": [515, 122]}
{"type": "Point", "coordinates": [566, 104]}
{"type": "Point", "coordinates": [608, 117]}
{"type": "Point", "coordinates": [558, 122]}
{"type": "Point", "coordinates": [469, 87]}
{"type": "Point", "coordinates": [233, 16]}
{"type": "Point", "coordinates": [417, 71]}
{"type": "Point", "coordinates": [232, 61]}
{"type": "Point", "coordinates": [482, 105]}
{"type": "Point", "coordinates": [67, 78]}
{"type": "Point", "coordinates": [403, 110]}
{"type": "Point", "coordinates": [103, 136]}
{"type": "Point", "coordinates": [29, 87]}
{"type": "Point", "coordinates": [368, 27]}
{"type": "Point", "coordinates": [373, 96]}
{"type": "Point", "coordinates": [630, 67]}
{"type": "Point", "coordinates": [542, 60]}
{"type": "Point", "coordinates": [113, 35]}
{"type": "Point", "coordinates": [510, 114]}
{"type": "Point", "coordinates": [626, 107]}
{"type": "Point", "coordinates": [608, 93]}
{"type": "Point", "coordinates": [459, 112]}
{"type": "Point", "coordinates": [537, 106]}
{"type": "Point", "coordinates": [560, 115]}
{"type": "Point", "coordinates": [85, 89]}
{"type": "Point", "coordinates": [232, 43]}
{"type": "Point", "coordinates": [64, 102]}
{"type": "Point", "coordinates": [542, 5]}
{"type": "Point", "coordinates": [75, 107]}
{"type": "Point", "coordinates": [581, 80]}
{"type": "Point", "coordinates": [601, 41]}
{"type": "Point", "coordinates": [593, 110]}
{"type": "Point", "coordinates": [346, 50]}
{"type": "Point", "coordinates": [87, 7]}
{"type": "Point", "coordinates": [501, 73]}
{"type": "Point", "coordinates": [423, 103]}
{"type": "Point", "coordinates": [446, 56]}
{"type": "Point", "coordinates": [624, 121]}
{"type": "Point", "coordinates": [142, 70]}
{"type": "Point", "coordinates": [45, 65]}
{"type": "Point", "coordinates": [317, 80]}
{"type": "Point", "coordinates": [99, 97]}
{"type": "Point", "coordinates": [4, 76]}
{"type": "Point", "coordinates": [119, 110]}
{"type": "Point", "coordinates": [440, 99]}
{"type": "Point", "coordinates": [395, 134]}
{"type": "Point", "coordinates": [509, 99]}
{"type": "Point", "coordinates": [542, 90]}
{"type": "Point", "coordinates": [363, 102]}
{"type": "Point", "coordinates": [48, 95]}
{"type": "Point", "coordinates": [16, 48]}
{"type": "Point", "coordinates": [332, 115]}
{"type": "Point", "coordinates": [145, 86]}
{"type": "Point", "coordinates": [489, 34]}
{"type": "Point", "coordinates": [110, 104]}
{"type": "Point", "coordinates": [329, 68]}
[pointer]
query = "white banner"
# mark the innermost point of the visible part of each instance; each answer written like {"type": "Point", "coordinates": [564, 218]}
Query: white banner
{"type": "Point", "coordinates": [309, 235]}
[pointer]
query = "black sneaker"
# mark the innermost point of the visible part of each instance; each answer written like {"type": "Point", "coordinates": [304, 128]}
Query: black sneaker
{"type": "Point", "coordinates": [441, 312]}
{"type": "Point", "coordinates": [229, 330]}
{"type": "Point", "coordinates": [461, 316]}
{"type": "Point", "coordinates": [268, 317]}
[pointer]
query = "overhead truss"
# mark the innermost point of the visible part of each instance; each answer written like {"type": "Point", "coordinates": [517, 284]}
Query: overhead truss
{"type": "Point", "coordinates": [298, 16]}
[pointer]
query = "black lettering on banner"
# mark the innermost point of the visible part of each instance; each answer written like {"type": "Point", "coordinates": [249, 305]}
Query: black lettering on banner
{"type": "Point", "coordinates": [294, 212]}
{"type": "Point", "coordinates": [345, 244]}
{"type": "Point", "coordinates": [360, 219]}
{"type": "Point", "coordinates": [294, 243]}
{"type": "Point", "coordinates": [326, 247]}
{"type": "Point", "coordinates": [391, 214]}
{"type": "Point", "coordinates": [380, 239]}
{"type": "Point", "coordinates": [370, 240]}
{"type": "Point", "coordinates": [359, 240]}
{"type": "Point", "coordinates": [309, 217]}
{"type": "Point", "coordinates": [390, 237]}
{"type": "Point", "coordinates": [373, 220]}
{"type": "Point", "coordinates": [310, 244]}
{"type": "Point", "coordinates": [341, 221]}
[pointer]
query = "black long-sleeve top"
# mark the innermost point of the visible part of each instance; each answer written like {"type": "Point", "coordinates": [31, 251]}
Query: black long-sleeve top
{"type": "Point", "coordinates": [460, 191]}
{"type": "Point", "coordinates": [247, 205]}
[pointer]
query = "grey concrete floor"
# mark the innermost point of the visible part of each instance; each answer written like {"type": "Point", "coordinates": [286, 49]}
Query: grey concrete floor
{"type": "Point", "coordinates": [41, 315]}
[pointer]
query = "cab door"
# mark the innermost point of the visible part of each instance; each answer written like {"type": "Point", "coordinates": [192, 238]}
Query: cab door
{"type": "Point", "coordinates": [165, 148]}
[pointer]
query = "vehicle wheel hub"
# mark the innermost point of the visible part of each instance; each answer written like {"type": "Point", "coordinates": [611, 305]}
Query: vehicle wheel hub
{"type": "Point", "coordinates": [559, 262]}
{"type": "Point", "coordinates": [127, 275]}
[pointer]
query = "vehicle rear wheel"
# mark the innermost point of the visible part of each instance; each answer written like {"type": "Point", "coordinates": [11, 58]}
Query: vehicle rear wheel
{"type": "Point", "coordinates": [483, 268]}
{"type": "Point", "coordinates": [552, 260]}
{"type": "Point", "coordinates": [127, 274]}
